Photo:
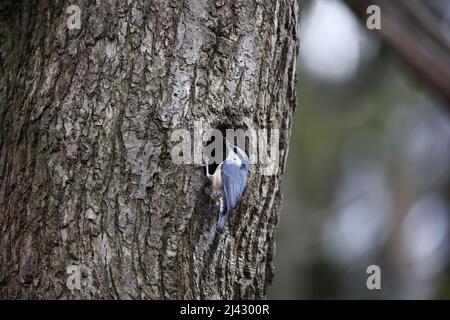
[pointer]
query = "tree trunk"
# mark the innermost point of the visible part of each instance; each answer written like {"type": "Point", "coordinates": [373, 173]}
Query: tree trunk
{"type": "Point", "coordinates": [91, 203]}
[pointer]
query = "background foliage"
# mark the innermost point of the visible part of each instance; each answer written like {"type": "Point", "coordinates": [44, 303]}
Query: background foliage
{"type": "Point", "coordinates": [367, 179]}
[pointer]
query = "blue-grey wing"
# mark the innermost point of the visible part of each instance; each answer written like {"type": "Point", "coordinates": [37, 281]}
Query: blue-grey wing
{"type": "Point", "coordinates": [234, 180]}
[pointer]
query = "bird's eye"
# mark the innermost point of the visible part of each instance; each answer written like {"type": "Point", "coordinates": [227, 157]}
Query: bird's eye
{"type": "Point", "coordinates": [242, 166]}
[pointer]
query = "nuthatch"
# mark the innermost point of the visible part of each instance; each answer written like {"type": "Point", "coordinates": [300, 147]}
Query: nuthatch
{"type": "Point", "coordinates": [228, 182]}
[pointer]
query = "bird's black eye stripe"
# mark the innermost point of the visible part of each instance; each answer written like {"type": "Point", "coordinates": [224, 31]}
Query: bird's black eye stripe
{"type": "Point", "coordinates": [242, 166]}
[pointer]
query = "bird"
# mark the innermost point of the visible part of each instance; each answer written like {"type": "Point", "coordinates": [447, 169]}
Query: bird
{"type": "Point", "coordinates": [228, 182]}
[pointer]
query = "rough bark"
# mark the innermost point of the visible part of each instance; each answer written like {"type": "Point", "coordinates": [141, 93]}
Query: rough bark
{"type": "Point", "coordinates": [86, 118]}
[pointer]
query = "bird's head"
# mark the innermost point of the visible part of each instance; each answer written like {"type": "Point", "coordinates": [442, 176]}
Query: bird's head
{"type": "Point", "coordinates": [238, 155]}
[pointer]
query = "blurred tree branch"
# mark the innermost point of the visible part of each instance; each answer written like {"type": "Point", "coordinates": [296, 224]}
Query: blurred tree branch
{"type": "Point", "coordinates": [414, 32]}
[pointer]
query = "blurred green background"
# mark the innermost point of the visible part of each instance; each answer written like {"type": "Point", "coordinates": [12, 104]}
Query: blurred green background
{"type": "Point", "coordinates": [367, 178]}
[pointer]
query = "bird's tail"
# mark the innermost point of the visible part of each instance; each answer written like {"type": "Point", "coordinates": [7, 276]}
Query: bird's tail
{"type": "Point", "coordinates": [221, 223]}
